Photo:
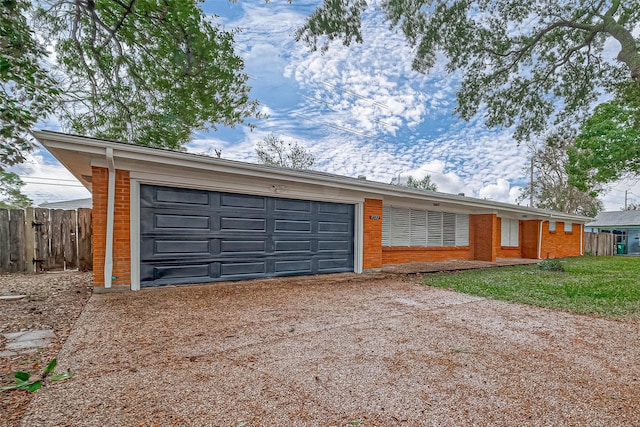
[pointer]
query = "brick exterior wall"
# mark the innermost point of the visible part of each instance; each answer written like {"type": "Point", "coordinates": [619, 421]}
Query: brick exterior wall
{"type": "Point", "coordinates": [559, 244]}
{"type": "Point", "coordinates": [121, 229]}
{"type": "Point", "coordinates": [482, 235]}
{"type": "Point", "coordinates": [372, 234]}
{"type": "Point", "coordinates": [401, 255]}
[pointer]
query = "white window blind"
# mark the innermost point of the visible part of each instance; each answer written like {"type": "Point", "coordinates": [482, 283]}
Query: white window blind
{"type": "Point", "coordinates": [509, 232]}
{"type": "Point", "coordinates": [386, 225]}
{"type": "Point", "coordinates": [448, 229]}
{"type": "Point", "coordinates": [420, 228]}
{"type": "Point", "coordinates": [434, 229]}
{"type": "Point", "coordinates": [552, 226]}
{"type": "Point", "coordinates": [462, 230]}
{"type": "Point", "coordinates": [568, 227]}
{"type": "Point", "coordinates": [400, 227]}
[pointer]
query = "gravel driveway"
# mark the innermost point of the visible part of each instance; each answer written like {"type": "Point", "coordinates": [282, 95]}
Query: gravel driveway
{"type": "Point", "coordinates": [338, 350]}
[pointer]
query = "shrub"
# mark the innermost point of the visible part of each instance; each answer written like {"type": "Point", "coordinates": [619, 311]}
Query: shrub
{"type": "Point", "coordinates": [550, 265]}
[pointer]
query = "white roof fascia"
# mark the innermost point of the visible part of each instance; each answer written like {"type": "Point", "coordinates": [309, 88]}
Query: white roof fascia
{"type": "Point", "coordinates": [143, 154]}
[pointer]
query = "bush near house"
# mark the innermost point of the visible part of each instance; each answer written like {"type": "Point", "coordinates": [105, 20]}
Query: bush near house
{"type": "Point", "coordinates": [604, 286]}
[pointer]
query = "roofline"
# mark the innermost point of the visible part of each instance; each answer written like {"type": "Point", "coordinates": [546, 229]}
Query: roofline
{"type": "Point", "coordinates": [91, 145]}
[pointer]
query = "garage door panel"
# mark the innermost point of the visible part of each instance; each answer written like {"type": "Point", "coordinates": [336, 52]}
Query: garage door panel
{"type": "Point", "coordinates": [333, 264]}
{"type": "Point", "coordinates": [334, 208]}
{"type": "Point", "coordinates": [173, 221]}
{"type": "Point", "coordinates": [289, 226]}
{"type": "Point", "coordinates": [243, 268]}
{"type": "Point", "coordinates": [333, 227]}
{"type": "Point", "coordinates": [343, 246]}
{"type": "Point", "coordinates": [286, 205]}
{"type": "Point", "coordinates": [243, 201]}
{"type": "Point", "coordinates": [242, 246]}
{"type": "Point", "coordinates": [293, 246]}
{"type": "Point", "coordinates": [154, 196]}
{"type": "Point", "coordinates": [160, 272]}
{"type": "Point", "coordinates": [172, 247]}
{"type": "Point", "coordinates": [235, 236]}
{"type": "Point", "coordinates": [302, 266]}
{"type": "Point", "coordinates": [243, 225]}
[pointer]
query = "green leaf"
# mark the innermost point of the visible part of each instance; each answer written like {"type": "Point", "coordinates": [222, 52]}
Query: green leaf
{"type": "Point", "coordinates": [34, 386]}
{"type": "Point", "coordinates": [63, 376]}
{"type": "Point", "coordinates": [21, 376]}
{"type": "Point", "coordinates": [50, 367]}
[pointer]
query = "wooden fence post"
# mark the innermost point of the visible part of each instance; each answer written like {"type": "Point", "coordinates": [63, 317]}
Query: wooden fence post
{"type": "Point", "coordinates": [4, 241]}
{"type": "Point", "coordinates": [41, 231]}
{"type": "Point", "coordinates": [56, 258]}
{"type": "Point", "coordinates": [30, 240]}
{"type": "Point", "coordinates": [85, 250]}
{"type": "Point", "coordinates": [17, 241]}
{"type": "Point", "coordinates": [69, 240]}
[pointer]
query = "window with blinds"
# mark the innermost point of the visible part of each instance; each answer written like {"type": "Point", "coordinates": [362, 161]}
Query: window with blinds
{"type": "Point", "coordinates": [509, 232]}
{"type": "Point", "coordinates": [416, 227]}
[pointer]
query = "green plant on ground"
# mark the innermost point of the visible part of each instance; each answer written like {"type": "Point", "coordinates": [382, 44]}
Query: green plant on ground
{"type": "Point", "coordinates": [23, 380]}
{"type": "Point", "coordinates": [550, 265]}
{"type": "Point", "coordinates": [605, 286]}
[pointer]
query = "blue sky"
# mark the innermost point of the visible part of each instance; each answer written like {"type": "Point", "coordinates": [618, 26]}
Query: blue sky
{"type": "Point", "coordinates": [360, 110]}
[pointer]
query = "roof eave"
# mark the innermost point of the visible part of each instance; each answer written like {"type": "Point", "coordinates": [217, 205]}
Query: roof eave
{"type": "Point", "coordinates": [56, 141]}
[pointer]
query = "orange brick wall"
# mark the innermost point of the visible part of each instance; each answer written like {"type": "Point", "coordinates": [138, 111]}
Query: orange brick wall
{"type": "Point", "coordinates": [560, 244]}
{"type": "Point", "coordinates": [482, 235]}
{"type": "Point", "coordinates": [400, 255]}
{"type": "Point", "coordinates": [121, 228]}
{"type": "Point", "coordinates": [372, 236]}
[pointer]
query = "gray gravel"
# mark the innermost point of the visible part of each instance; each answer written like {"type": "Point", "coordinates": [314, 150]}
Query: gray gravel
{"type": "Point", "coordinates": [336, 351]}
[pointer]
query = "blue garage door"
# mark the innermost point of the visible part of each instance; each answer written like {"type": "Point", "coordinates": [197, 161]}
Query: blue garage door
{"type": "Point", "coordinates": [194, 236]}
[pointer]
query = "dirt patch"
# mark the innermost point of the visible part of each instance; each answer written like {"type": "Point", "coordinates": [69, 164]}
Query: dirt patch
{"type": "Point", "coordinates": [338, 350]}
{"type": "Point", "coordinates": [53, 301]}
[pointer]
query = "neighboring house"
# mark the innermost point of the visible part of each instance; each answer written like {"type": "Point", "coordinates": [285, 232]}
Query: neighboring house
{"type": "Point", "coordinates": [625, 225]}
{"type": "Point", "coordinates": [166, 217]}
{"type": "Point", "coordinates": [67, 204]}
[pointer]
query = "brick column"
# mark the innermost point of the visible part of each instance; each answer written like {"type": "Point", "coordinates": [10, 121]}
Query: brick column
{"type": "Point", "coordinates": [372, 236]}
{"type": "Point", "coordinates": [121, 226]}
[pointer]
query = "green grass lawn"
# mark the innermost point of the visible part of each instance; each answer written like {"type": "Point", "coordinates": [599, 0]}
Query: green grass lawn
{"type": "Point", "coordinates": [606, 286]}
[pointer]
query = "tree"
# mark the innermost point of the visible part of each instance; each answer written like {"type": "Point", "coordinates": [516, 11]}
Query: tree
{"type": "Point", "coordinates": [608, 146]}
{"type": "Point", "coordinates": [528, 64]}
{"type": "Point", "coordinates": [145, 71]}
{"type": "Point", "coordinates": [422, 184]}
{"type": "Point", "coordinates": [28, 92]}
{"type": "Point", "coordinates": [10, 190]}
{"type": "Point", "coordinates": [551, 188]}
{"type": "Point", "coordinates": [149, 72]}
{"type": "Point", "coordinates": [273, 151]}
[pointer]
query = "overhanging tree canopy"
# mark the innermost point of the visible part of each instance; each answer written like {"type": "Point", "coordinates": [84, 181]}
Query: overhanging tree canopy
{"type": "Point", "coordinates": [528, 64]}
{"type": "Point", "coordinates": [149, 72]}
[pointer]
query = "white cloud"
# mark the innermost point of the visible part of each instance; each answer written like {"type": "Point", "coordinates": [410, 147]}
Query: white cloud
{"type": "Point", "coordinates": [48, 181]}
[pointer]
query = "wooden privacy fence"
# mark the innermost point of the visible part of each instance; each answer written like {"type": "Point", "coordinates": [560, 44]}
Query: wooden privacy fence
{"type": "Point", "coordinates": [38, 239]}
{"type": "Point", "coordinates": [599, 244]}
